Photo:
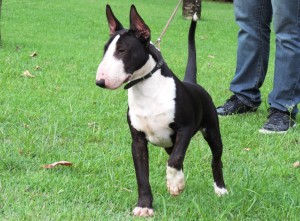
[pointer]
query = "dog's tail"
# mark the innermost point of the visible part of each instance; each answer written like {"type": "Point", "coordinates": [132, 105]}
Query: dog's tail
{"type": "Point", "coordinates": [191, 68]}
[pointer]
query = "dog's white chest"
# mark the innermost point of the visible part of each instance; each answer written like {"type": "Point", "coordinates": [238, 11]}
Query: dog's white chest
{"type": "Point", "coordinates": [152, 109]}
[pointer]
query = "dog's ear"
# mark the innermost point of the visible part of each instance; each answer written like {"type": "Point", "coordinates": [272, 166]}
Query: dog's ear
{"type": "Point", "coordinates": [138, 26]}
{"type": "Point", "coordinates": [113, 22]}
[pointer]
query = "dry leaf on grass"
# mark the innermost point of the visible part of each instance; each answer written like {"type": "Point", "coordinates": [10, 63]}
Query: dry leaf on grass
{"type": "Point", "coordinates": [26, 126]}
{"type": "Point", "coordinates": [247, 149]}
{"type": "Point", "coordinates": [296, 164]}
{"type": "Point", "coordinates": [93, 124]}
{"type": "Point", "coordinates": [27, 74]}
{"type": "Point", "coordinates": [63, 163]}
{"type": "Point", "coordinates": [20, 150]}
{"type": "Point", "coordinates": [33, 54]}
{"type": "Point", "coordinates": [211, 56]}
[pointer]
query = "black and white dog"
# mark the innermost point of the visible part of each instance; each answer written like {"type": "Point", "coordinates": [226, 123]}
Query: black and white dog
{"type": "Point", "coordinates": [162, 110]}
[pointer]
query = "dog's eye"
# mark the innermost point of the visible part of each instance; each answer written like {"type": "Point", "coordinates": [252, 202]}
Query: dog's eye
{"type": "Point", "coordinates": [120, 50]}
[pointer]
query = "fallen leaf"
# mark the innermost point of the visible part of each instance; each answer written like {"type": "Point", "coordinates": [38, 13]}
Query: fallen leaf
{"type": "Point", "coordinates": [63, 163]}
{"type": "Point", "coordinates": [33, 54]}
{"type": "Point", "coordinates": [20, 150]}
{"type": "Point", "coordinates": [247, 149]}
{"type": "Point", "coordinates": [26, 126]}
{"type": "Point", "coordinates": [37, 67]}
{"type": "Point", "coordinates": [211, 56]}
{"type": "Point", "coordinates": [296, 164]}
{"type": "Point", "coordinates": [27, 74]}
{"type": "Point", "coordinates": [203, 37]}
{"type": "Point", "coordinates": [92, 124]}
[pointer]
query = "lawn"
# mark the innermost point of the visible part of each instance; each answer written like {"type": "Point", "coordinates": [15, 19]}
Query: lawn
{"type": "Point", "coordinates": [59, 114]}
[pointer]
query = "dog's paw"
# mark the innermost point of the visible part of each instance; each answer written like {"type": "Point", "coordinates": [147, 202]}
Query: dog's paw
{"type": "Point", "coordinates": [175, 181]}
{"type": "Point", "coordinates": [220, 191]}
{"type": "Point", "coordinates": [143, 212]}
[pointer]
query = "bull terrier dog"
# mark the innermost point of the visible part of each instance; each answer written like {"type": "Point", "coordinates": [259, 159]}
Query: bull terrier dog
{"type": "Point", "coordinates": [162, 110]}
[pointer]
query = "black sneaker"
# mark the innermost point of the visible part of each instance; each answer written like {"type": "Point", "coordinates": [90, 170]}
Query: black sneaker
{"type": "Point", "coordinates": [279, 122]}
{"type": "Point", "coordinates": [234, 106]}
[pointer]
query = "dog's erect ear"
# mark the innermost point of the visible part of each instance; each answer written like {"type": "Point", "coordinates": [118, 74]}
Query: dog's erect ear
{"type": "Point", "coordinates": [113, 22]}
{"type": "Point", "coordinates": [137, 24]}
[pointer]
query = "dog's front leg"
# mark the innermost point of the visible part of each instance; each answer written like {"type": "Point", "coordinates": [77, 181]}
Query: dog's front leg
{"type": "Point", "coordinates": [175, 176]}
{"type": "Point", "coordinates": [141, 164]}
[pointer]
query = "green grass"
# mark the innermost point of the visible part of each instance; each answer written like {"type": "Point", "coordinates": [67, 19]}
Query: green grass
{"type": "Point", "coordinates": [61, 115]}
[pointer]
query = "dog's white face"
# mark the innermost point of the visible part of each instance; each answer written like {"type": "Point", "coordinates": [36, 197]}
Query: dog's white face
{"type": "Point", "coordinates": [111, 70]}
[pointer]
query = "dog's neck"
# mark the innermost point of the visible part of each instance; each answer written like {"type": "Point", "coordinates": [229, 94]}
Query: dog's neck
{"type": "Point", "coordinates": [145, 72]}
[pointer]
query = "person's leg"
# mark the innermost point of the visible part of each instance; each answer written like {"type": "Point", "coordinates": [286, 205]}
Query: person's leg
{"type": "Point", "coordinates": [286, 90]}
{"type": "Point", "coordinates": [285, 95]}
{"type": "Point", "coordinates": [254, 18]}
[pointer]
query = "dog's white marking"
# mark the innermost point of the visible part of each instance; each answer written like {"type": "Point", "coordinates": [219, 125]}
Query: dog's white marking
{"type": "Point", "coordinates": [195, 17]}
{"type": "Point", "coordinates": [175, 181]}
{"type": "Point", "coordinates": [220, 191]}
{"type": "Point", "coordinates": [152, 105]}
{"type": "Point", "coordinates": [139, 211]}
{"type": "Point", "coordinates": [111, 69]}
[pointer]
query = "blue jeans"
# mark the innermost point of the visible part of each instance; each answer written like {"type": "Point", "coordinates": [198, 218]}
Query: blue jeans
{"type": "Point", "coordinates": [254, 18]}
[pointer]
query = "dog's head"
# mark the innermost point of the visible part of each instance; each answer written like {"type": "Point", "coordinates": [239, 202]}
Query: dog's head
{"type": "Point", "coordinates": [125, 52]}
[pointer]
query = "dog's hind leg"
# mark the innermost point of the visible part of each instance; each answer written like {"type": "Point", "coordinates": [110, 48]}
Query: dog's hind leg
{"type": "Point", "coordinates": [213, 137]}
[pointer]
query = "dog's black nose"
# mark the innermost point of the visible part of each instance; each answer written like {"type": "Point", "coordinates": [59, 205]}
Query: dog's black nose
{"type": "Point", "coordinates": [101, 83]}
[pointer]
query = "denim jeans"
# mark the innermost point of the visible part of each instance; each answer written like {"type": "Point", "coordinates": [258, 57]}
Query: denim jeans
{"type": "Point", "coordinates": [254, 19]}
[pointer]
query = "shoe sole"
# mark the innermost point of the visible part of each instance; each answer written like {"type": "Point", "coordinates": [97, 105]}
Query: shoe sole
{"type": "Point", "coordinates": [264, 131]}
{"type": "Point", "coordinates": [236, 114]}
